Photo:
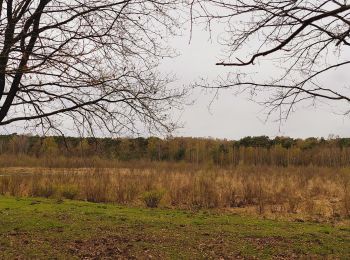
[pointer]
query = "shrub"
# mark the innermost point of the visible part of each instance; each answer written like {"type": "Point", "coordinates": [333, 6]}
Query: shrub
{"type": "Point", "coordinates": [152, 198]}
{"type": "Point", "coordinates": [45, 191]}
{"type": "Point", "coordinates": [68, 192]}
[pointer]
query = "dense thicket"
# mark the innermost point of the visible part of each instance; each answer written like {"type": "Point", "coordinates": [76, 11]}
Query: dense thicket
{"type": "Point", "coordinates": [261, 150]}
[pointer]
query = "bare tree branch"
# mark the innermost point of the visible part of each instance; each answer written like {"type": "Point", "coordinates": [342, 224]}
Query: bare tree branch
{"type": "Point", "coordinates": [305, 41]}
{"type": "Point", "coordinates": [86, 61]}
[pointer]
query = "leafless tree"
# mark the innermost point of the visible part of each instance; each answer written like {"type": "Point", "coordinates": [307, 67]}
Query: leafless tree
{"type": "Point", "coordinates": [90, 62]}
{"type": "Point", "coordinates": [303, 42]}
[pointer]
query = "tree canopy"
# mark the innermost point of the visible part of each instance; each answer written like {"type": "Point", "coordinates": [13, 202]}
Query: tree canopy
{"type": "Point", "coordinates": [92, 63]}
{"type": "Point", "coordinates": [297, 44]}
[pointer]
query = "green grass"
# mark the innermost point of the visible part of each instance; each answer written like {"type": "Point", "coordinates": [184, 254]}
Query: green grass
{"type": "Point", "coordinates": [45, 228]}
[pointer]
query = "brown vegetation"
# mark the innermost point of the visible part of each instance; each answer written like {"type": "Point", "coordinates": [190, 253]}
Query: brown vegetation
{"type": "Point", "coordinates": [283, 176]}
{"type": "Point", "coordinates": [297, 191]}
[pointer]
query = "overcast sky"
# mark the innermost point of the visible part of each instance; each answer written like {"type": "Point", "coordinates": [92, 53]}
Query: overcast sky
{"type": "Point", "coordinates": [233, 117]}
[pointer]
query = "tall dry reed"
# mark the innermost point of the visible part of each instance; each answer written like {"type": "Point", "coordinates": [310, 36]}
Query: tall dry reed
{"type": "Point", "coordinates": [310, 190]}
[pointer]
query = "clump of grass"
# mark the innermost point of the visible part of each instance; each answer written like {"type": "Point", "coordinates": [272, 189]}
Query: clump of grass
{"type": "Point", "coordinates": [43, 190]}
{"type": "Point", "coordinates": [68, 191]}
{"type": "Point", "coordinates": [152, 198]}
{"type": "Point", "coordinates": [205, 192]}
{"type": "Point", "coordinates": [293, 204]}
{"type": "Point", "coordinates": [347, 197]}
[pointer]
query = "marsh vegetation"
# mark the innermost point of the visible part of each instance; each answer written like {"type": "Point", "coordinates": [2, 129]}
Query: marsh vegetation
{"type": "Point", "coordinates": [299, 192]}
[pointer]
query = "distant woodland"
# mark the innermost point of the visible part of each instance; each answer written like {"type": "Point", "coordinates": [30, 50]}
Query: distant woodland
{"type": "Point", "coordinates": [16, 150]}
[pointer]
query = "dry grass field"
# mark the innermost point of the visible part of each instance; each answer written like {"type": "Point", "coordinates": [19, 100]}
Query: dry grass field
{"type": "Point", "coordinates": [304, 193]}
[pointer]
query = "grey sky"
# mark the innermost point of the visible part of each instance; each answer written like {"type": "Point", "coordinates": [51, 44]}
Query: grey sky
{"type": "Point", "coordinates": [231, 116]}
{"type": "Point", "coordinates": [235, 116]}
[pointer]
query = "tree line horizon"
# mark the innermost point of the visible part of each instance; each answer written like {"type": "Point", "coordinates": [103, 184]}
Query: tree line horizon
{"type": "Point", "coordinates": [257, 150]}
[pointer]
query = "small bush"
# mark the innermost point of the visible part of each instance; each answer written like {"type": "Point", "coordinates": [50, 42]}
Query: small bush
{"type": "Point", "coordinates": [152, 198]}
{"type": "Point", "coordinates": [45, 191]}
{"type": "Point", "coordinates": [68, 192]}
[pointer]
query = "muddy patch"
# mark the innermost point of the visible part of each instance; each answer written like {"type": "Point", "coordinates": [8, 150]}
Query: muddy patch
{"type": "Point", "coordinates": [263, 242]}
{"type": "Point", "coordinates": [111, 247]}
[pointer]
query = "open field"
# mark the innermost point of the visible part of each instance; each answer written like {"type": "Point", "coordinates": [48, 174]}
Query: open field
{"type": "Point", "coordinates": [243, 212]}
{"type": "Point", "coordinates": [50, 228]}
{"type": "Point", "coordinates": [307, 193]}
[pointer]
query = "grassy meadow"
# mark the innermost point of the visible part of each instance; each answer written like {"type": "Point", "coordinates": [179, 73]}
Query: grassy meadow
{"type": "Point", "coordinates": [66, 229]}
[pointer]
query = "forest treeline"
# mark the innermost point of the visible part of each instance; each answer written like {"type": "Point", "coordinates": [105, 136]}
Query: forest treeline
{"type": "Point", "coordinates": [260, 150]}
